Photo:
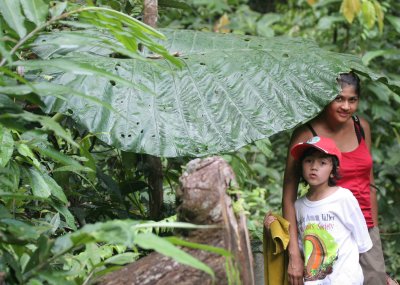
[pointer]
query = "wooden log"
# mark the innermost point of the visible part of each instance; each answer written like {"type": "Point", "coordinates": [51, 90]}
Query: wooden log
{"type": "Point", "coordinates": [201, 199]}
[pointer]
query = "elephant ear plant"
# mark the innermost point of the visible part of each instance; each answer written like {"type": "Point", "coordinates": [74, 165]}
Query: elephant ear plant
{"type": "Point", "coordinates": [229, 90]}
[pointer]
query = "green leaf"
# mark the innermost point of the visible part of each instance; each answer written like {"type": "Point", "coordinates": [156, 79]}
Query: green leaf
{"type": "Point", "coordinates": [11, 12]}
{"type": "Point", "coordinates": [62, 159]}
{"type": "Point", "coordinates": [233, 90]}
{"type": "Point", "coordinates": [27, 153]}
{"type": "Point", "coordinates": [368, 13]}
{"type": "Point", "coordinates": [151, 241]}
{"type": "Point", "coordinates": [128, 21]}
{"type": "Point", "coordinates": [55, 222]}
{"type": "Point", "coordinates": [55, 189]}
{"type": "Point", "coordinates": [85, 152]}
{"type": "Point", "coordinates": [350, 9]}
{"type": "Point", "coordinates": [35, 10]}
{"type": "Point", "coordinates": [115, 27]}
{"type": "Point", "coordinates": [22, 197]}
{"type": "Point", "coordinates": [101, 44]}
{"type": "Point", "coordinates": [163, 224]}
{"type": "Point", "coordinates": [327, 22]}
{"type": "Point", "coordinates": [217, 250]}
{"type": "Point", "coordinates": [34, 281]}
{"type": "Point", "coordinates": [57, 9]}
{"type": "Point", "coordinates": [8, 105]}
{"type": "Point", "coordinates": [11, 261]}
{"type": "Point", "coordinates": [56, 277]}
{"type": "Point", "coordinates": [37, 181]}
{"type": "Point", "coordinates": [74, 168]}
{"type": "Point", "coordinates": [381, 111]}
{"type": "Point", "coordinates": [41, 254]}
{"type": "Point", "coordinates": [6, 146]}
{"type": "Point", "coordinates": [5, 213]}
{"type": "Point", "coordinates": [47, 123]}
{"type": "Point", "coordinates": [81, 67]}
{"type": "Point", "coordinates": [379, 15]}
{"type": "Point", "coordinates": [49, 89]}
{"type": "Point", "coordinates": [117, 232]}
{"type": "Point", "coordinates": [3, 47]}
{"type": "Point", "coordinates": [9, 177]}
{"type": "Point", "coordinates": [370, 55]}
{"type": "Point", "coordinates": [265, 147]}
{"type": "Point", "coordinates": [122, 258]}
{"type": "Point", "coordinates": [394, 21]}
{"type": "Point", "coordinates": [69, 218]}
{"type": "Point", "coordinates": [127, 30]}
{"type": "Point", "coordinates": [19, 230]}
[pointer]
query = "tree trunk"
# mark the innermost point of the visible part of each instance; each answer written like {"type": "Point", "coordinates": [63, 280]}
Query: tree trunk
{"type": "Point", "coordinates": [150, 12]}
{"type": "Point", "coordinates": [155, 181]}
{"type": "Point", "coordinates": [155, 178]}
{"type": "Point", "coordinates": [201, 199]}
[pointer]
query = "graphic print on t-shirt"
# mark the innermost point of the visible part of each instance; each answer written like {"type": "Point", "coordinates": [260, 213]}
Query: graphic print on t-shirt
{"type": "Point", "coordinates": [320, 252]}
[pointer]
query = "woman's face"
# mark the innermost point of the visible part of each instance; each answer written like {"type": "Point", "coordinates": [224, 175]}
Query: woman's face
{"type": "Point", "coordinates": [344, 105]}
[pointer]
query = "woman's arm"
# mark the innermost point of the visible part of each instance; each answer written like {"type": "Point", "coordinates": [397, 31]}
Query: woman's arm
{"type": "Point", "coordinates": [289, 196]}
{"type": "Point", "coordinates": [374, 199]}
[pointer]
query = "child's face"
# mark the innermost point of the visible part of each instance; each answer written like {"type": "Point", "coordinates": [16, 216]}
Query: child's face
{"type": "Point", "coordinates": [317, 167]}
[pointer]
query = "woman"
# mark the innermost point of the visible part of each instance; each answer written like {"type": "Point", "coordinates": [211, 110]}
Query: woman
{"type": "Point", "coordinates": [353, 138]}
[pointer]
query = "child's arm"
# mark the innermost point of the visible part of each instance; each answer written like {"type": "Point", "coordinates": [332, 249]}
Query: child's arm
{"type": "Point", "coordinates": [355, 221]}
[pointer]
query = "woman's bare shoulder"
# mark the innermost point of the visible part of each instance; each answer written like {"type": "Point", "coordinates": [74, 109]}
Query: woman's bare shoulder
{"type": "Point", "coordinates": [365, 126]}
{"type": "Point", "coordinates": [367, 131]}
{"type": "Point", "coordinates": [364, 123]}
{"type": "Point", "coordinates": [300, 134]}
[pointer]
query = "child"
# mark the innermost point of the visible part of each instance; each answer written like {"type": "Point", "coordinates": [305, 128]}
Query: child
{"type": "Point", "coordinates": [330, 223]}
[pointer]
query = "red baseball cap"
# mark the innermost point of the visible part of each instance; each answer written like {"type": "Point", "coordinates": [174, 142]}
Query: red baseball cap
{"type": "Point", "coordinates": [326, 145]}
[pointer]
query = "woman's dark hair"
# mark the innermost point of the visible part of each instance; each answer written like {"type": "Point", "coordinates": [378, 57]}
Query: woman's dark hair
{"type": "Point", "coordinates": [335, 166]}
{"type": "Point", "coordinates": [350, 79]}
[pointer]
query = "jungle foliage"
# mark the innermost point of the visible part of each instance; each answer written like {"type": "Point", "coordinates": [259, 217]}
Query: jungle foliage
{"type": "Point", "coordinates": [65, 191]}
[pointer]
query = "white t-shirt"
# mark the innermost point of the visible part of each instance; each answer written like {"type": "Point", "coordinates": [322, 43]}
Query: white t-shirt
{"type": "Point", "coordinates": [332, 234]}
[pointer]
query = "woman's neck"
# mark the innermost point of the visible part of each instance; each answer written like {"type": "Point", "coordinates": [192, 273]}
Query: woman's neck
{"type": "Point", "coordinates": [330, 126]}
{"type": "Point", "coordinates": [342, 133]}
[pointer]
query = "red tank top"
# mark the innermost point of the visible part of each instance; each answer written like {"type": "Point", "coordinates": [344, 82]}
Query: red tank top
{"type": "Point", "coordinates": [355, 170]}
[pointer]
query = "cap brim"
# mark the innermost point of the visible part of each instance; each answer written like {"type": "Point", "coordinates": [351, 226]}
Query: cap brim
{"type": "Point", "coordinates": [298, 150]}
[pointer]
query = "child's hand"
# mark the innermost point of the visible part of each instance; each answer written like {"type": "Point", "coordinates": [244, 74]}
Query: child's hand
{"type": "Point", "coordinates": [268, 219]}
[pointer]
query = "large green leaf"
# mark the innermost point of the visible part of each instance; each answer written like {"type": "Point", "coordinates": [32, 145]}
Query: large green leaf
{"type": "Point", "coordinates": [232, 90]}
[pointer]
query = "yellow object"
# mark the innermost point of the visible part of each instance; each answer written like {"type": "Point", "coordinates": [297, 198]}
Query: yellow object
{"type": "Point", "coordinates": [275, 242]}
